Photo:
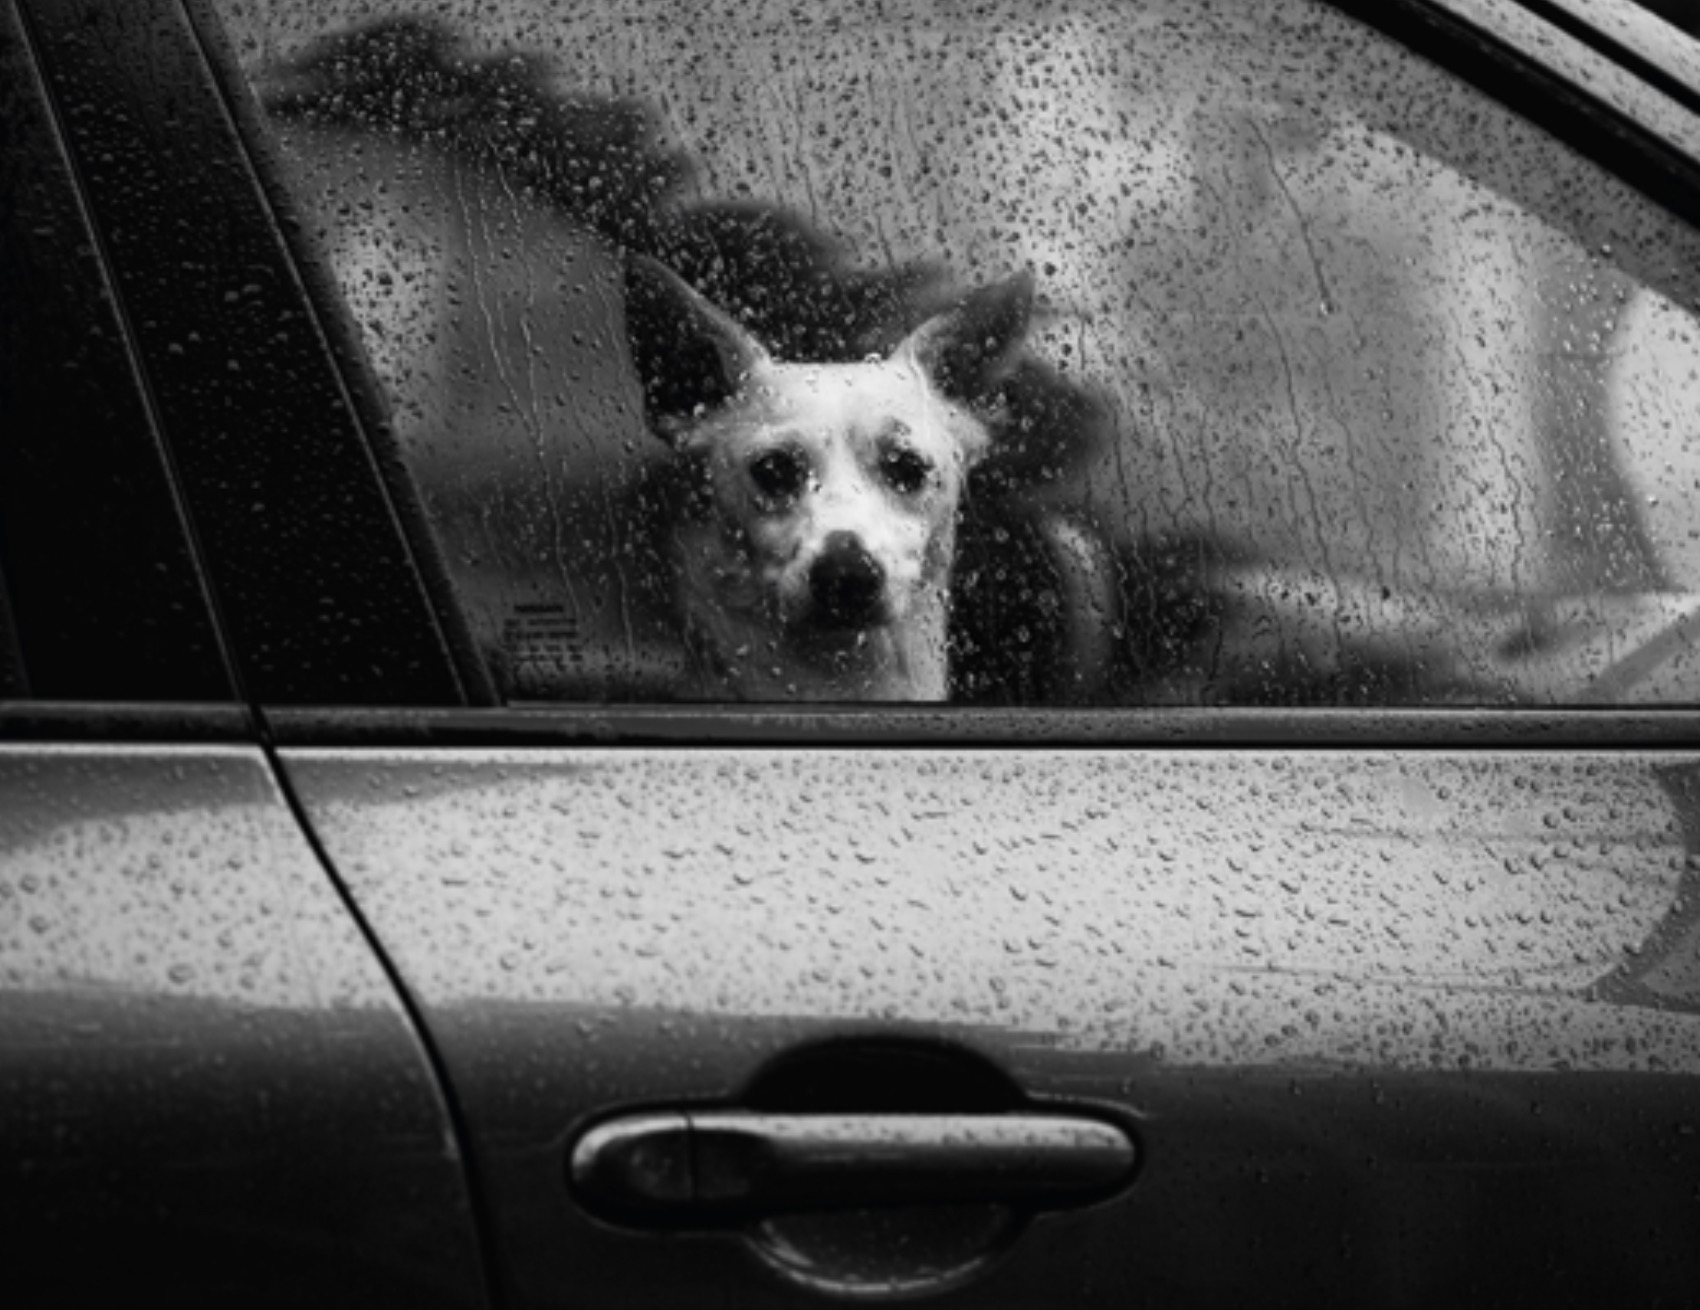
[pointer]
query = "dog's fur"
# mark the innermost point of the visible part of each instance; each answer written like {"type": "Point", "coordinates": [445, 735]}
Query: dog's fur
{"type": "Point", "coordinates": [821, 569]}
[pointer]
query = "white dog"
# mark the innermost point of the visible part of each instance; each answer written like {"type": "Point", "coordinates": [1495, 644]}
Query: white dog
{"type": "Point", "coordinates": [821, 569]}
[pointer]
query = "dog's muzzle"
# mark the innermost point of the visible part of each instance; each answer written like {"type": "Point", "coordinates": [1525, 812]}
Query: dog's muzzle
{"type": "Point", "coordinates": [846, 585]}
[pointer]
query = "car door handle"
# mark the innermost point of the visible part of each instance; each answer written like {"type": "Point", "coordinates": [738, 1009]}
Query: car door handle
{"type": "Point", "coordinates": [711, 1168]}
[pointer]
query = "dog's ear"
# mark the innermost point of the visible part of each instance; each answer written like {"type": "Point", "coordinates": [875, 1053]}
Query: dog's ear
{"type": "Point", "coordinates": [967, 349]}
{"type": "Point", "coordinates": [691, 357]}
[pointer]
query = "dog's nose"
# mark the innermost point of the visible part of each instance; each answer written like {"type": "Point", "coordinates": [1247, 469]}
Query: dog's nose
{"type": "Point", "coordinates": [846, 582]}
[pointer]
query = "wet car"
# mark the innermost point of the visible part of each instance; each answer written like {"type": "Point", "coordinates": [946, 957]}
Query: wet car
{"type": "Point", "coordinates": [1293, 901]}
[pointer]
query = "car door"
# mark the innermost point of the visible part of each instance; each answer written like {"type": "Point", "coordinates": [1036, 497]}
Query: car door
{"type": "Point", "coordinates": [210, 1087]}
{"type": "Point", "coordinates": [1385, 996]}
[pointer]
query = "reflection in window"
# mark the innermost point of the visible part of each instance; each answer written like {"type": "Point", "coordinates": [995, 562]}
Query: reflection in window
{"type": "Point", "coordinates": [1339, 383]}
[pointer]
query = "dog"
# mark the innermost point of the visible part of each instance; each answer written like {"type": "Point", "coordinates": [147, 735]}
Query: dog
{"type": "Point", "coordinates": [590, 558]}
{"type": "Point", "coordinates": [818, 567]}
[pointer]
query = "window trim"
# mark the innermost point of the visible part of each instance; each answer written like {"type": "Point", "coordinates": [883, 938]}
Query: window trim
{"type": "Point", "coordinates": [103, 593]}
{"type": "Point", "coordinates": [945, 727]}
{"type": "Point", "coordinates": [125, 721]}
{"type": "Point", "coordinates": [312, 563]}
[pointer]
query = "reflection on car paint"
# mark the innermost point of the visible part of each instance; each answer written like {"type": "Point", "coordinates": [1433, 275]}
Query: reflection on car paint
{"type": "Point", "coordinates": [169, 871]}
{"type": "Point", "coordinates": [1404, 910]}
{"type": "Point", "coordinates": [204, 1070]}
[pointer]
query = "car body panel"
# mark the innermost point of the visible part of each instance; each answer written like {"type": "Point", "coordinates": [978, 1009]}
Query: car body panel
{"type": "Point", "coordinates": [1357, 1002]}
{"type": "Point", "coordinates": [205, 1074]}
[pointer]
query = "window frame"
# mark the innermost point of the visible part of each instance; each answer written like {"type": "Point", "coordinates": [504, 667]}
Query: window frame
{"type": "Point", "coordinates": [102, 597]}
{"type": "Point", "coordinates": [323, 577]}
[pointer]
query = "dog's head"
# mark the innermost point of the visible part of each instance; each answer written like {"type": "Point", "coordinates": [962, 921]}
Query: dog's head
{"type": "Point", "coordinates": [835, 485]}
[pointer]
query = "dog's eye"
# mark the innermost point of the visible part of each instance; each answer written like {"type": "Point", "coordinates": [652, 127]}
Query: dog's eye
{"type": "Point", "coordinates": [906, 470]}
{"type": "Point", "coordinates": [779, 474]}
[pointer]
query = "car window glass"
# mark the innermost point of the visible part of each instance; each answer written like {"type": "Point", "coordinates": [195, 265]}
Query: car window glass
{"type": "Point", "coordinates": [1259, 360]}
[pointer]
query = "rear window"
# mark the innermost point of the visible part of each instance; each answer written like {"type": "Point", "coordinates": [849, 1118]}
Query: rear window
{"type": "Point", "coordinates": [1193, 352]}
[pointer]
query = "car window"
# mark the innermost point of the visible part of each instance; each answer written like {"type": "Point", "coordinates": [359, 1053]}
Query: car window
{"type": "Point", "coordinates": [1192, 352]}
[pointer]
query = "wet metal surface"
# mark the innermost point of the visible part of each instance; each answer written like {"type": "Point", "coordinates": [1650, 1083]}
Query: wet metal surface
{"type": "Point", "coordinates": [203, 1069]}
{"type": "Point", "coordinates": [1387, 1020]}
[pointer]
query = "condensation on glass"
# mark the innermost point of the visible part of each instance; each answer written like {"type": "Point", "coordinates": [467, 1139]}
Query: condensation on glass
{"type": "Point", "coordinates": [1342, 384]}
